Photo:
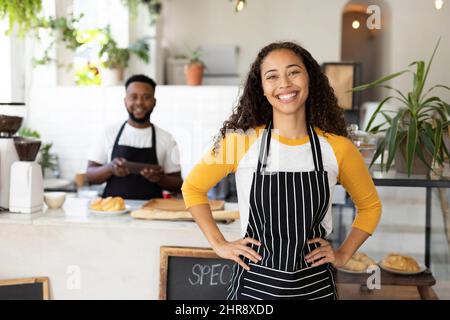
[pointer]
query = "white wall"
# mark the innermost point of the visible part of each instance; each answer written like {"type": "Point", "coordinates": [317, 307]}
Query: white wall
{"type": "Point", "coordinates": [315, 24]}
{"type": "Point", "coordinates": [5, 64]}
{"type": "Point", "coordinates": [141, 27]}
{"type": "Point", "coordinates": [71, 117]}
{"type": "Point", "coordinates": [12, 84]}
{"type": "Point", "coordinates": [410, 29]}
{"type": "Point", "coordinates": [415, 28]}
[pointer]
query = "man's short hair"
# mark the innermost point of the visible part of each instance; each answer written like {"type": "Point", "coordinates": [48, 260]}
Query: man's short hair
{"type": "Point", "coordinates": [140, 78]}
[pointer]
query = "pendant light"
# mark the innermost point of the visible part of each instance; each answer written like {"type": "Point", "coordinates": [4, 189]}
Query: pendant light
{"type": "Point", "coordinates": [240, 4]}
{"type": "Point", "coordinates": [438, 4]}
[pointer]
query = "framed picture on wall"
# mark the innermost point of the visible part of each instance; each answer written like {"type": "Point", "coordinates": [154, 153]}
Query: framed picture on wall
{"type": "Point", "coordinates": [343, 76]}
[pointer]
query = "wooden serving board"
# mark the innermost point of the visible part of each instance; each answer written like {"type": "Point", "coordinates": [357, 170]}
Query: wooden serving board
{"type": "Point", "coordinates": [178, 204]}
{"type": "Point", "coordinates": [150, 214]}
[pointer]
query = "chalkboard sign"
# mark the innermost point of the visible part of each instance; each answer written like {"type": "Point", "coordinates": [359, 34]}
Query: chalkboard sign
{"type": "Point", "coordinates": [24, 289]}
{"type": "Point", "coordinates": [193, 274]}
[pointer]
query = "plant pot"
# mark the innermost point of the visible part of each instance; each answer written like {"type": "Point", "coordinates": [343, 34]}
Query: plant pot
{"type": "Point", "coordinates": [111, 77]}
{"type": "Point", "coordinates": [418, 166]}
{"type": "Point", "coordinates": [194, 74]}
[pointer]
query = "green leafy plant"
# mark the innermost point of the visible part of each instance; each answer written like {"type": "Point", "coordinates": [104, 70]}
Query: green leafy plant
{"type": "Point", "coordinates": [110, 55]}
{"type": "Point", "coordinates": [60, 30]}
{"type": "Point", "coordinates": [194, 57]}
{"type": "Point", "coordinates": [46, 160]}
{"type": "Point", "coordinates": [114, 57]}
{"type": "Point", "coordinates": [27, 132]}
{"type": "Point", "coordinates": [419, 123]}
{"type": "Point", "coordinates": [22, 13]}
{"type": "Point", "coordinates": [63, 30]}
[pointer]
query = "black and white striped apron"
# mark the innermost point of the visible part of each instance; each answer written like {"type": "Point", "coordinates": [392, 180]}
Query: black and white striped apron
{"type": "Point", "coordinates": [286, 210]}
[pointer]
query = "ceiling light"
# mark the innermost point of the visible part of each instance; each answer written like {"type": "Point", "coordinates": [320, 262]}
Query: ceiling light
{"type": "Point", "coordinates": [438, 4]}
{"type": "Point", "coordinates": [240, 4]}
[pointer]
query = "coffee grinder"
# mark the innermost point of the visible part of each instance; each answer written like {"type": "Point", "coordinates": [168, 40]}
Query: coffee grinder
{"type": "Point", "coordinates": [27, 184]}
{"type": "Point", "coordinates": [11, 118]}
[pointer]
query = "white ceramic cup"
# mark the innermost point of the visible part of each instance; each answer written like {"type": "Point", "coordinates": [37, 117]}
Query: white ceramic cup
{"type": "Point", "coordinates": [54, 200]}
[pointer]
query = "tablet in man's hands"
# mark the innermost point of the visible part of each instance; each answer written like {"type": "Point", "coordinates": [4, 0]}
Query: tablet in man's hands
{"type": "Point", "coordinates": [137, 167]}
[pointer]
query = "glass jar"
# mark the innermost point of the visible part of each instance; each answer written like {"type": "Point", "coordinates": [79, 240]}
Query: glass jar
{"type": "Point", "coordinates": [366, 142]}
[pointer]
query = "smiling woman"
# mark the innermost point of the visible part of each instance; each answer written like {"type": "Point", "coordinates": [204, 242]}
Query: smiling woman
{"type": "Point", "coordinates": [285, 181]}
{"type": "Point", "coordinates": [326, 114]}
{"type": "Point", "coordinates": [285, 83]}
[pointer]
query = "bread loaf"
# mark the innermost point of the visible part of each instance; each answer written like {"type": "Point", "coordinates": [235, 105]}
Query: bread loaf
{"type": "Point", "coordinates": [401, 263]}
{"type": "Point", "coordinates": [359, 262]}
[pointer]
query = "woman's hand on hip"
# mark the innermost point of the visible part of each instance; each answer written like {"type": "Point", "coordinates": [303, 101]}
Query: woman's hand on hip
{"type": "Point", "coordinates": [234, 249]}
{"type": "Point", "coordinates": [324, 254]}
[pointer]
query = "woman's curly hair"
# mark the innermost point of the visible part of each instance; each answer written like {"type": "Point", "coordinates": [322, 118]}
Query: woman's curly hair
{"type": "Point", "coordinates": [253, 108]}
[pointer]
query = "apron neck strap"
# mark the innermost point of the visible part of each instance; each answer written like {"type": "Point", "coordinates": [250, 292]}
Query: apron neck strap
{"type": "Point", "coordinates": [154, 142]}
{"type": "Point", "coordinates": [116, 142]}
{"type": "Point", "coordinates": [265, 146]}
{"type": "Point", "coordinates": [315, 148]}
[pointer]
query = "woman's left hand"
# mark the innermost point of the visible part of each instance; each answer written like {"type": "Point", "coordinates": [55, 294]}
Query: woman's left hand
{"type": "Point", "coordinates": [324, 254]}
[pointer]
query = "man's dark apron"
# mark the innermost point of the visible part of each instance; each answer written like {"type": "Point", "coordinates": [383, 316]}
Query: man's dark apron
{"type": "Point", "coordinates": [286, 210]}
{"type": "Point", "coordinates": [133, 186]}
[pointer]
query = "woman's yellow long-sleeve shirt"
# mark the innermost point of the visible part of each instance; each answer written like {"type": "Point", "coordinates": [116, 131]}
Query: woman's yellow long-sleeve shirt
{"type": "Point", "coordinates": [238, 153]}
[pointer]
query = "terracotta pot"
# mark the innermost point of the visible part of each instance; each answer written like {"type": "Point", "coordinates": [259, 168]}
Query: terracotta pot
{"type": "Point", "coordinates": [194, 74]}
{"type": "Point", "coordinates": [418, 166]}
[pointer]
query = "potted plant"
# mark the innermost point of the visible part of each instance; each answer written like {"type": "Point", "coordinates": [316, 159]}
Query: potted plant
{"type": "Point", "coordinates": [115, 60]}
{"type": "Point", "coordinates": [194, 69]}
{"type": "Point", "coordinates": [413, 135]}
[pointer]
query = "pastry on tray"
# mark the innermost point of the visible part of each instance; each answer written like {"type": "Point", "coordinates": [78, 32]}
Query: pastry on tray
{"type": "Point", "coordinates": [359, 262]}
{"type": "Point", "coordinates": [400, 262]}
{"type": "Point", "coordinates": [108, 204]}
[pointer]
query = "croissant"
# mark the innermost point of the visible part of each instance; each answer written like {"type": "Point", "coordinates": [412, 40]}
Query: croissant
{"type": "Point", "coordinates": [401, 263]}
{"type": "Point", "coordinates": [108, 204]}
{"type": "Point", "coordinates": [354, 265]}
{"type": "Point", "coordinates": [364, 258]}
{"type": "Point", "coordinates": [359, 262]}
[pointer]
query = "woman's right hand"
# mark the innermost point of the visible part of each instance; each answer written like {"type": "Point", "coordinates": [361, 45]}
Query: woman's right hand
{"type": "Point", "coordinates": [232, 250]}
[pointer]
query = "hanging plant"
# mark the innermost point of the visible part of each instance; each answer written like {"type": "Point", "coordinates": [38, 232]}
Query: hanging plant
{"type": "Point", "coordinates": [153, 6]}
{"type": "Point", "coordinates": [21, 13]}
{"type": "Point", "coordinates": [61, 30]}
{"type": "Point", "coordinates": [113, 57]}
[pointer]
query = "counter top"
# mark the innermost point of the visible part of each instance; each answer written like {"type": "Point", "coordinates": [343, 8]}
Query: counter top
{"type": "Point", "coordinates": [89, 257]}
{"type": "Point", "coordinates": [75, 211]}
